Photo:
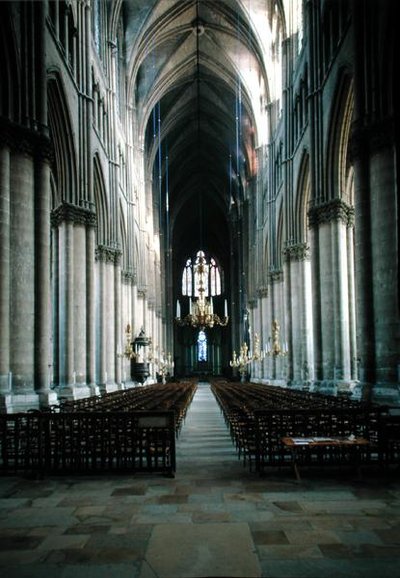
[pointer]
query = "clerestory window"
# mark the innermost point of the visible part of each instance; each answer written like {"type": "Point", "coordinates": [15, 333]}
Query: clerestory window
{"type": "Point", "coordinates": [201, 272]}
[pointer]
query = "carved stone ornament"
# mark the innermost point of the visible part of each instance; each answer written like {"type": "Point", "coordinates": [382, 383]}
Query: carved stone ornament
{"type": "Point", "coordinates": [262, 291]}
{"type": "Point", "coordinates": [128, 277]}
{"type": "Point", "coordinates": [73, 213]}
{"type": "Point", "coordinates": [107, 254]}
{"type": "Point", "coordinates": [275, 276]}
{"type": "Point", "coordinates": [371, 139]}
{"type": "Point", "coordinates": [24, 140]}
{"type": "Point", "coordinates": [296, 252]}
{"type": "Point", "coordinates": [334, 210]}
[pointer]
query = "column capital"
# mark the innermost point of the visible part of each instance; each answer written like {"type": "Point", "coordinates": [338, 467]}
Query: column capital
{"type": "Point", "coordinates": [275, 276]}
{"type": "Point", "coordinates": [334, 210]}
{"type": "Point", "coordinates": [296, 252]}
{"type": "Point", "coordinates": [372, 138]}
{"type": "Point", "coordinates": [108, 254]}
{"type": "Point", "coordinates": [73, 213]}
{"type": "Point", "coordinates": [128, 277]}
{"type": "Point", "coordinates": [24, 140]}
{"type": "Point", "coordinates": [262, 291]}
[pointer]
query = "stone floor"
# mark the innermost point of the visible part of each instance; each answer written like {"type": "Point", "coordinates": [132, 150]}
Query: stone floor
{"type": "Point", "coordinates": [215, 518]}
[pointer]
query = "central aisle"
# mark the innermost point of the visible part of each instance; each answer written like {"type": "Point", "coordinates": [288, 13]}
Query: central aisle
{"type": "Point", "coordinates": [205, 439]}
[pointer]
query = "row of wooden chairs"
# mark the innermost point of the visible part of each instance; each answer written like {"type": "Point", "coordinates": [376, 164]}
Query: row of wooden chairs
{"type": "Point", "coordinates": [132, 430]}
{"type": "Point", "coordinates": [259, 416]}
{"type": "Point", "coordinates": [174, 396]}
{"type": "Point", "coordinates": [91, 442]}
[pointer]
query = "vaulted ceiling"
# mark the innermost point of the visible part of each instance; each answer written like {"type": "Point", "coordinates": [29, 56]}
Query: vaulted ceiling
{"type": "Point", "coordinates": [198, 77]}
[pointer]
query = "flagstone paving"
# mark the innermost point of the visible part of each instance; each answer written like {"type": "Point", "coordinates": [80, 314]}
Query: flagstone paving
{"type": "Point", "coordinates": [215, 518]}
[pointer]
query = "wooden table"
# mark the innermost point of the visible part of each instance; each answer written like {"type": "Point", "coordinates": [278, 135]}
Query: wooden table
{"type": "Point", "coordinates": [294, 444]}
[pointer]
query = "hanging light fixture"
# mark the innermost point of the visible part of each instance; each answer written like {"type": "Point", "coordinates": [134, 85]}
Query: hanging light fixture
{"type": "Point", "coordinates": [201, 312]}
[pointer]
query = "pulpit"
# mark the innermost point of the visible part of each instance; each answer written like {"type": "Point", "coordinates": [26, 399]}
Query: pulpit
{"type": "Point", "coordinates": [140, 367]}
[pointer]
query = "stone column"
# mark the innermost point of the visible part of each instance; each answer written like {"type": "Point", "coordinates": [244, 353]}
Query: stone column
{"type": "Point", "coordinates": [107, 352]}
{"type": "Point", "coordinates": [55, 288]}
{"type": "Point", "coordinates": [80, 316]}
{"type": "Point", "coordinates": [300, 341]}
{"type": "Point", "coordinates": [330, 220]}
{"type": "Point", "coordinates": [73, 224]}
{"type": "Point", "coordinates": [118, 346]}
{"type": "Point", "coordinates": [43, 308]}
{"type": "Point", "coordinates": [133, 321]}
{"type": "Point", "coordinates": [315, 292]}
{"type": "Point", "coordinates": [340, 286]}
{"type": "Point", "coordinates": [5, 377]}
{"type": "Point", "coordinates": [66, 300]}
{"type": "Point", "coordinates": [307, 322]}
{"type": "Point", "coordinates": [143, 314]}
{"type": "Point", "coordinates": [22, 280]}
{"type": "Point", "coordinates": [91, 311]}
{"type": "Point", "coordinates": [385, 258]}
{"type": "Point", "coordinates": [276, 309]}
{"type": "Point", "coordinates": [263, 294]}
{"type": "Point", "coordinates": [100, 320]}
{"type": "Point", "coordinates": [109, 299]}
{"type": "Point", "coordinates": [326, 283]}
{"type": "Point", "coordinates": [352, 308]}
{"type": "Point", "coordinates": [269, 366]}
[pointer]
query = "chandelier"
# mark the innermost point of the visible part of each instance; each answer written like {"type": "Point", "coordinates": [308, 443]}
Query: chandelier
{"type": "Point", "coordinates": [201, 312]}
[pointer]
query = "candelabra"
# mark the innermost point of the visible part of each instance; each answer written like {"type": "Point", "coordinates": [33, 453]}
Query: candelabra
{"type": "Point", "coordinates": [274, 347]}
{"type": "Point", "coordinates": [164, 365]}
{"type": "Point", "coordinates": [245, 357]}
{"type": "Point", "coordinates": [128, 352]}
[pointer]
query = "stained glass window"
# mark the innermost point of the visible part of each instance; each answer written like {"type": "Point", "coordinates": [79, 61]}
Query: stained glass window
{"type": "Point", "coordinates": [187, 279]}
{"type": "Point", "coordinates": [215, 278]}
{"type": "Point", "coordinates": [202, 346]}
{"type": "Point", "coordinates": [200, 271]}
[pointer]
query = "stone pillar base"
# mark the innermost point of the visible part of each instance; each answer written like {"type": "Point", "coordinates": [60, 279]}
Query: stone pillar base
{"type": "Point", "coordinates": [278, 382]}
{"type": "Point", "coordinates": [5, 384]}
{"type": "Point", "coordinates": [108, 387]}
{"type": "Point", "coordinates": [129, 384]}
{"type": "Point", "coordinates": [73, 391]}
{"type": "Point", "coordinates": [47, 398]}
{"type": "Point", "coordinates": [352, 389]}
{"type": "Point", "coordinates": [18, 402]}
{"type": "Point", "coordinates": [301, 385]}
{"type": "Point", "coordinates": [94, 389]}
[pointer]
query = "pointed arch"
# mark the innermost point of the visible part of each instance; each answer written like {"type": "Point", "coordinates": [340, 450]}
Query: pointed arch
{"type": "Point", "coordinates": [279, 238]}
{"type": "Point", "coordinates": [123, 235]}
{"type": "Point", "coordinates": [64, 165]}
{"type": "Point", "coordinates": [266, 260]}
{"type": "Point", "coordinates": [10, 103]}
{"type": "Point", "coordinates": [338, 143]}
{"type": "Point", "coordinates": [303, 194]}
{"type": "Point", "coordinates": [100, 197]}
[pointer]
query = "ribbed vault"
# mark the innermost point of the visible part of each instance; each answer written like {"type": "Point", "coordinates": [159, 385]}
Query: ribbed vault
{"type": "Point", "coordinates": [197, 77]}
